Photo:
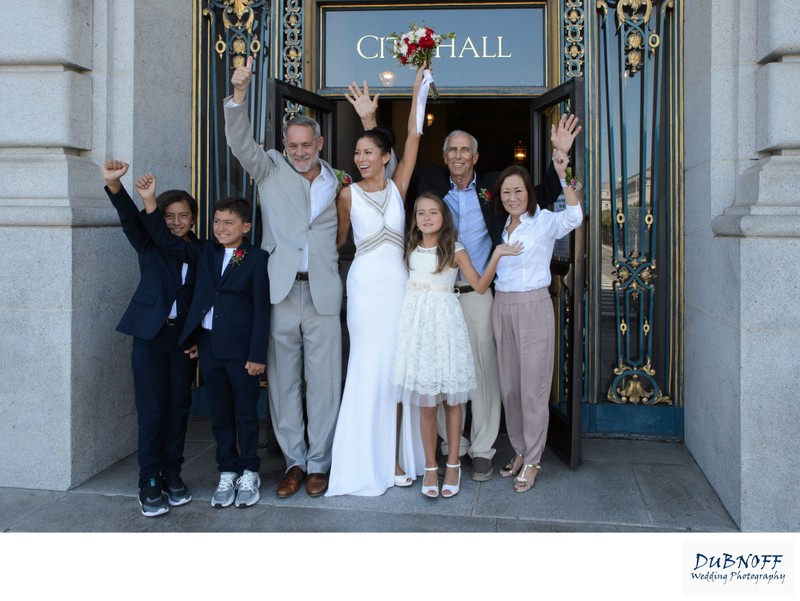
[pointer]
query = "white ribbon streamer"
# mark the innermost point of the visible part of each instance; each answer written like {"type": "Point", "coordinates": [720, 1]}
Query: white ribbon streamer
{"type": "Point", "coordinates": [422, 98]}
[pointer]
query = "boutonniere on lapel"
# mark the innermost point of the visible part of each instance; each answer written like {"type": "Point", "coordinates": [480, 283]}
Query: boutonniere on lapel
{"type": "Point", "coordinates": [238, 256]}
{"type": "Point", "coordinates": [485, 196]}
{"type": "Point", "coordinates": [343, 178]}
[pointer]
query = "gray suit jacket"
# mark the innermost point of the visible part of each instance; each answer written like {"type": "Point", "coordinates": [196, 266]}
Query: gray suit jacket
{"type": "Point", "coordinates": [285, 198]}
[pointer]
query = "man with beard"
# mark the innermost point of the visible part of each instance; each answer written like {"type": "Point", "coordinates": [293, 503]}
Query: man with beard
{"type": "Point", "coordinates": [298, 208]}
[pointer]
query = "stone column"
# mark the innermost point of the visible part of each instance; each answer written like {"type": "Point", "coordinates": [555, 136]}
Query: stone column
{"type": "Point", "coordinates": [742, 239]}
{"type": "Point", "coordinates": [79, 81]}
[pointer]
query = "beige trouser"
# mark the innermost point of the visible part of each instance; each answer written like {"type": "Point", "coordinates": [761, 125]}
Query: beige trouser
{"type": "Point", "coordinates": [524, 327]}
{"type": "Point", "coordinates": [485, 401]}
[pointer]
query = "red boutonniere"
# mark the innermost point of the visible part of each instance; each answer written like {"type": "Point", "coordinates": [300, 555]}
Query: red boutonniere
{"type": "Point", "coordinates": [238, 256]}
{"type": "Point", "coordinates": [343, 177]}
{"type": "Point", "coordinates": [485, 196]}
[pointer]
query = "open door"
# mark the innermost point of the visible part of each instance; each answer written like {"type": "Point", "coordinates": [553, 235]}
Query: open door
{"type": "Point", "coordinates": [284, 100]}
{"type": "Point", "coordinates": [567, 286]}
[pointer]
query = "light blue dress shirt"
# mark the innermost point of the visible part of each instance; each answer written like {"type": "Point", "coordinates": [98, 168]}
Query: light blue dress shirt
{"type": "Point", "coordinates": [468, 219]}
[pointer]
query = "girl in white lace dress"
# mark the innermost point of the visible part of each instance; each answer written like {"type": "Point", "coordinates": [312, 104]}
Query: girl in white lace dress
{"type": "Point", "coordinates": [433, 360]}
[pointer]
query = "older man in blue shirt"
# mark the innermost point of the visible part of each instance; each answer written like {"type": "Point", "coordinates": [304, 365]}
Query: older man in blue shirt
{"type": "Point", "coordinates": [469, 197]}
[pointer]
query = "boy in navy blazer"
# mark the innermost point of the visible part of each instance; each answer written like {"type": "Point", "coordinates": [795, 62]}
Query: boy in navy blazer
{"type": "Point", "coordinates": [228, 326]}
{"type": "Point", "coordinates": [162, 372]}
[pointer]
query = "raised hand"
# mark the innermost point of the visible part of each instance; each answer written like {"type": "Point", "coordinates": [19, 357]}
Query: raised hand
{"type": "Point", "coordinates": [366, 107]}
{"type": "Point", "coordinates": [564, 135]}
{"type": "Point", "coordinates": [146, 187]}
{"type": "Point", "coordinates": [113, 170]}
{"type": "Point", "coordinates": [240, 80]}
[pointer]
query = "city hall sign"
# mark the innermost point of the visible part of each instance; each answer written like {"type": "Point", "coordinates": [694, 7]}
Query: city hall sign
{"type": "Point", "coordinates": [496, 47]}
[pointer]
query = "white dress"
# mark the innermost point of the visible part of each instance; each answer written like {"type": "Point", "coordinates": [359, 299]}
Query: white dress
{"type": "Point", "coordinates": [433, 359]}
{"type": "Point", "coordinates": [363, 455]}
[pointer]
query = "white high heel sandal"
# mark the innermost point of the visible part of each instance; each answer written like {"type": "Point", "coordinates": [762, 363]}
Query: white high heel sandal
{"type": "Point", "coordinates": [452, 489]}
{"type": "Point", "coordinates": [402, 480]}
{"type": "Point", "coordinates": [427, 490]}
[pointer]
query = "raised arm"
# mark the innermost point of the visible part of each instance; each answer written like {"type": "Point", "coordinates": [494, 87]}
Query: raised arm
{"type": "Point", "coordinates": [113, 170]}
{"type": "Point", "coordinates": [367, 110]}
{"type": "Point", "coordinates": [153, 221]}
{"type": "Point", "coordinates": [405, 168]}
{"type": "Point", "coordinates": [128, 212]}
{"type": "Point", "coordinates": [562, 138]}
{"type": "Point", "coordinates": [560, 163]}
{"type": "Point", "coordinates": [238, 131]}
{"type": "Point", "coordinates": [481, 283]}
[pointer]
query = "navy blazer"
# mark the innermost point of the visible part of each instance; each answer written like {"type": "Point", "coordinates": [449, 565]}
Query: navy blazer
{"type": "Point", "coordinates": [240, 295]}
{"type": "Point", "coordinates": [160, 275]}
{"type": "Point", "coordinates": [436, 179]}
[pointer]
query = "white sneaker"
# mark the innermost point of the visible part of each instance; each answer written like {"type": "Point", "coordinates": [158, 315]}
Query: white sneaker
{"type": "Point", "coordinates": [226, 490]}
{"type": "Point", "coordinates": [247, 489]}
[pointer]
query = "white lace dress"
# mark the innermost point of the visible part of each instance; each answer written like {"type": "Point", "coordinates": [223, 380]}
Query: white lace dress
{"type": "Point", "coordinates": [433, 359]}
{"type": "Point", "coordinates": [363, 454]}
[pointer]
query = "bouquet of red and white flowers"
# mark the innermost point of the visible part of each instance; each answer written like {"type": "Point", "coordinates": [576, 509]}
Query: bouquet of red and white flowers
{"type": "Point", "coordinates": [417, 46]}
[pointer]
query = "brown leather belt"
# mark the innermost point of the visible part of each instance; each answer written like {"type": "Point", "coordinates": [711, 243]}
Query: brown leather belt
{"type": "Point", "coordinates": [463, 289]}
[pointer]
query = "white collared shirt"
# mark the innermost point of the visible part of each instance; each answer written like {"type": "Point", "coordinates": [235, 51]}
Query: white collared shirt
{"type": "Point", "coordinates": [322, 189]}
{"type": "Point", "coordinates": [173, 312]}
{"type": "Point", "coordinates": [531, 269]}
{"type": "Point", "coordinates": [208, 318]}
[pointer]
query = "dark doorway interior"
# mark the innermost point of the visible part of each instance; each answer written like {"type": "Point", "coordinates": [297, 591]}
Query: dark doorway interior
{"type": "Point", "coordinates": [498, 124]}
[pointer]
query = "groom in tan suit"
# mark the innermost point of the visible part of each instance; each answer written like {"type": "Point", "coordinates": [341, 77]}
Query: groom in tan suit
{"type": "Point", "coordinates": [297, 194]}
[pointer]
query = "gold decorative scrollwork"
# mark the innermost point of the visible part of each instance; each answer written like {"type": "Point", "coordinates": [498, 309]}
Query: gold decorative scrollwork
{"type": "Point", "coordinates": [633, 51]}
{"type": "Point", "coordinates": [635, 7]}
{"type": "Point", "coordinates": [238, 17]}
{"type": "Point", "coordinates": [573, 38]}
{"type": "Point", "coordinates": [634, 274]}
{"type": "Point", "coordinates": [240, 8]}
{"type": "Point", "coordinates": [632, 383]}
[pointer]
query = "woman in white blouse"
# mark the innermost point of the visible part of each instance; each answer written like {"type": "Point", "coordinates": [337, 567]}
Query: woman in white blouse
{"type": "Point", "coordinates": [522, 314]}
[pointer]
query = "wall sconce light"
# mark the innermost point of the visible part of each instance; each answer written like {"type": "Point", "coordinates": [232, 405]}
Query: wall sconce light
{"type": "Point", "coordinates": [387, 78]}
{"type": "Point", "coordinates": [429, 119]}
{"type": "Point", "coordinates": [520, 152]}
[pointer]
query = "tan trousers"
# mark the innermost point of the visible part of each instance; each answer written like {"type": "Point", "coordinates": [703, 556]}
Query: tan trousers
{"type": "Point", "coordinates": [485, 400]}
{"type": "Point", "coordinates": [524, 328]}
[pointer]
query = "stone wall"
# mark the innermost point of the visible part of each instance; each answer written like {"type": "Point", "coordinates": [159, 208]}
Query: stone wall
{"type": "Point", "coordinates": [742, 151]}
{"type": "Point", "coordinates": [79, 81]}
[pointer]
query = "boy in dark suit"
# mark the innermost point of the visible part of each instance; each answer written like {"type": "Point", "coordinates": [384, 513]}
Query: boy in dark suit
{"type": "Point", "coordinates": [162, 372]}
{"type": "Point", "coordinates": [228, 326]}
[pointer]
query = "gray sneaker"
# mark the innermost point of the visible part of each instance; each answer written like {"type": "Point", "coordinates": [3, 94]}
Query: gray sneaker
{"type": "Point", "coordinates": [177, 492]}
{"type": "Point", "coordinates": [247, 489]}
{"type": "Point", "coordinates": [152, 501]}
{"type": "Point", "coordinates": [482, 469]}
{"type": "Point", "coordinates": [226, 490]}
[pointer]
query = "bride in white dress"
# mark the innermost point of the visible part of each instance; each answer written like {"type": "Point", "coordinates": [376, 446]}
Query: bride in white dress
{"type": "Point", "coordinates": [377, 444]}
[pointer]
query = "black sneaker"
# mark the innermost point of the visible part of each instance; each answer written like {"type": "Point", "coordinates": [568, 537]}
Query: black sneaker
{"type": "Point", "coordinates": [152, 500]}
{"type": "Point", "coordinates": [177, 492]}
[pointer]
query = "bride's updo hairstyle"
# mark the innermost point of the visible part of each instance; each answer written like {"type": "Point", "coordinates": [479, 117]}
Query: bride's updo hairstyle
{"type": "Point", "coordinates": [382, 138]}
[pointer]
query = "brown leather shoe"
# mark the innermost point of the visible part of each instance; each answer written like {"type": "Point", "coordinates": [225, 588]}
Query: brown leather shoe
{"type": "Point", "coordinates": [316, 484]}
{"type": "Point", "coordinates": [290, 483]}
